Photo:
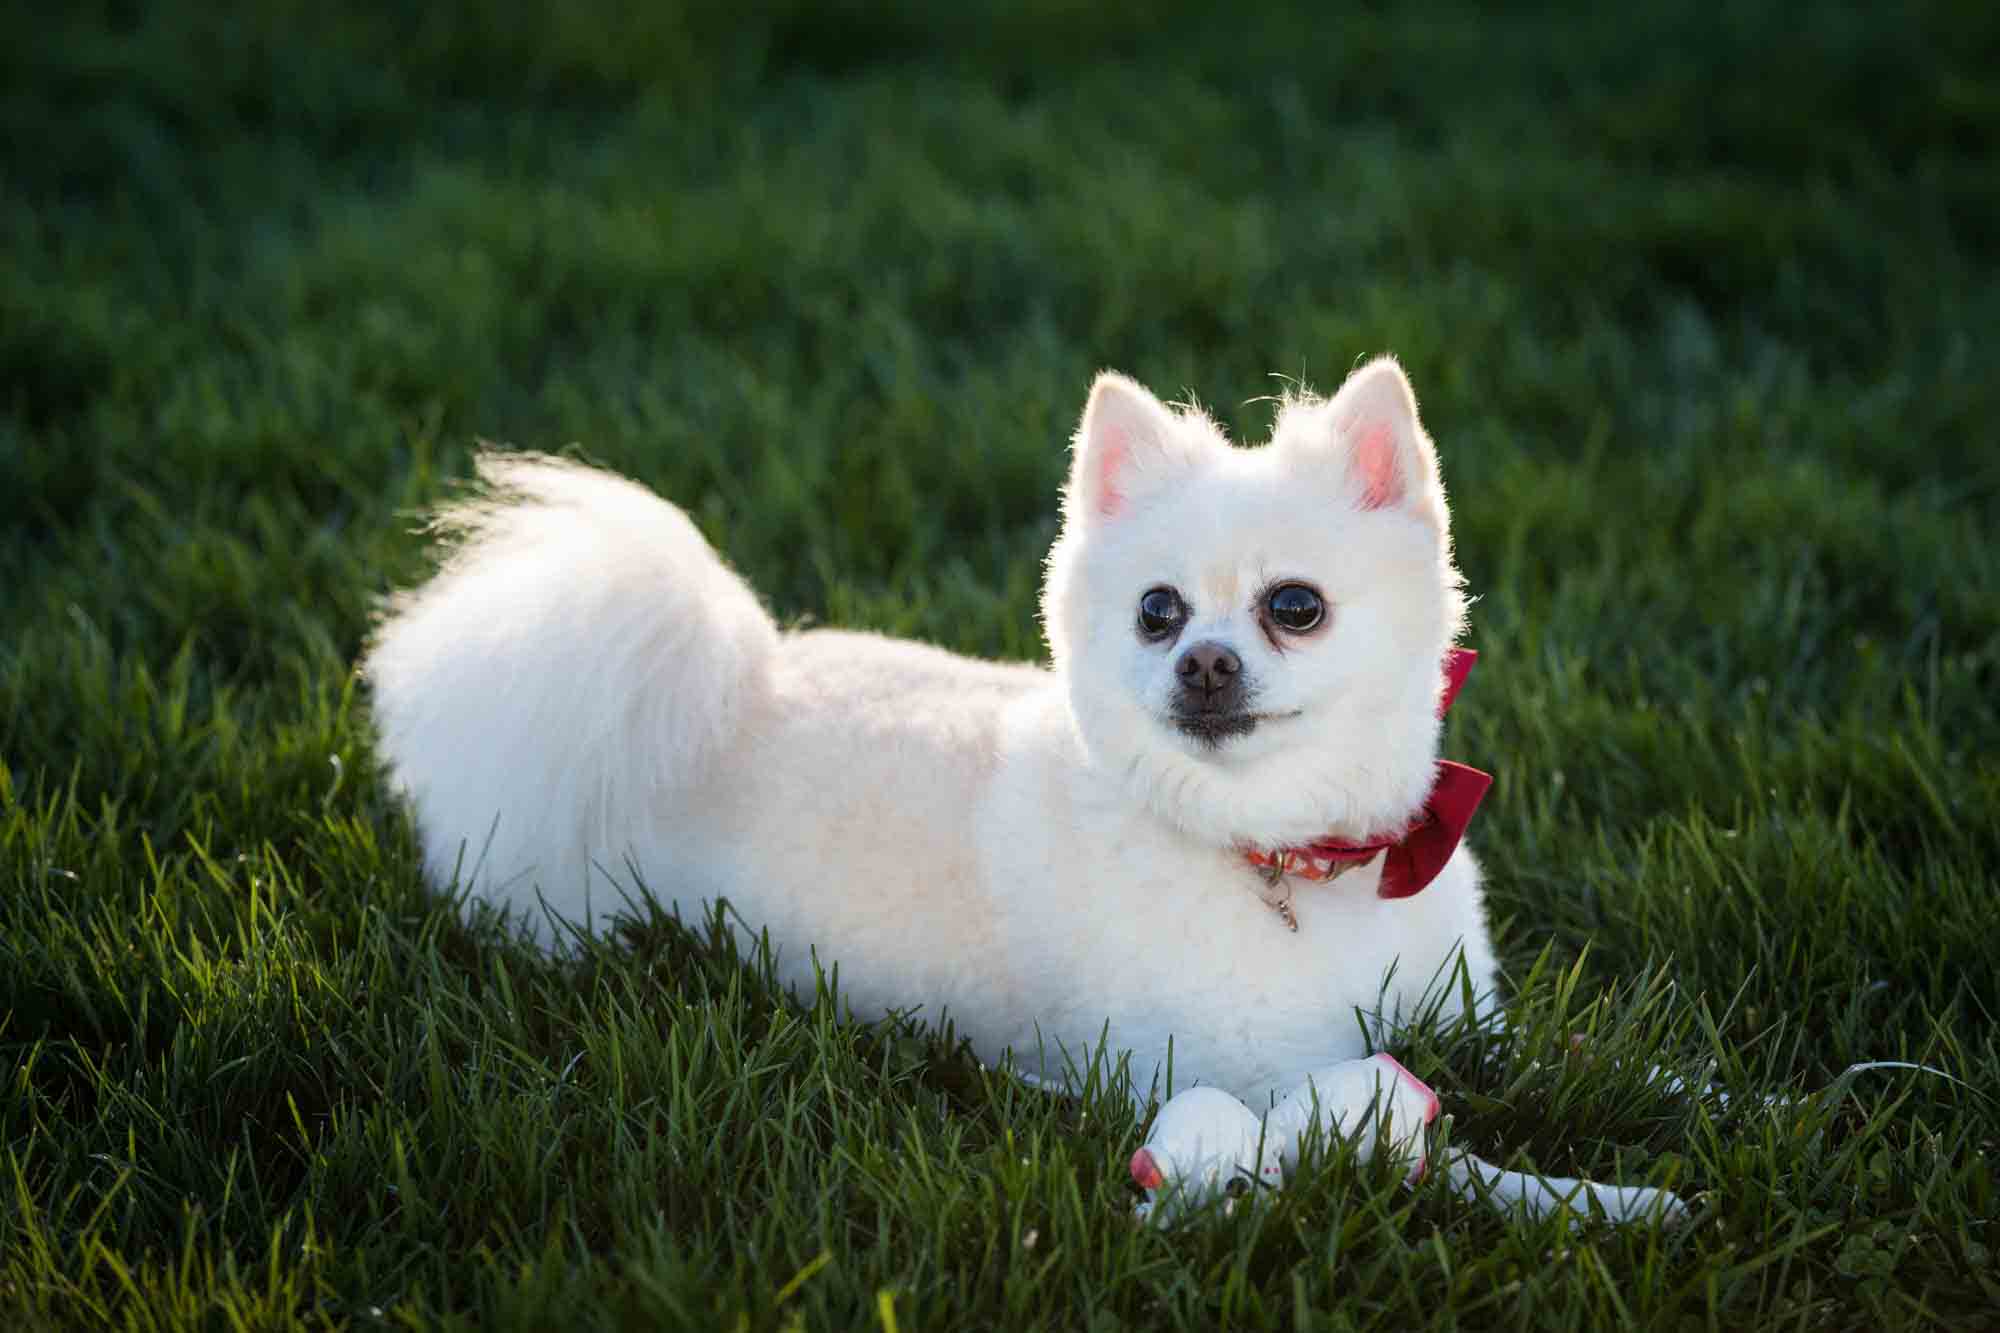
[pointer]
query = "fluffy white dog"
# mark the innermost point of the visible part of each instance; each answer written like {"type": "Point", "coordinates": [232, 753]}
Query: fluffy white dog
{"type": "Point", "coordinates": [1138, 844]}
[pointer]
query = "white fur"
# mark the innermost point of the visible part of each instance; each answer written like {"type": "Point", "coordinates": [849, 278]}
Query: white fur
{"type": "Point", "coordinates": [585, 702]}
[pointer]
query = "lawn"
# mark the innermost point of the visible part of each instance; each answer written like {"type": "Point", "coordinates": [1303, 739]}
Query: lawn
{"type": "Point", "coordinates": [1700, 305]}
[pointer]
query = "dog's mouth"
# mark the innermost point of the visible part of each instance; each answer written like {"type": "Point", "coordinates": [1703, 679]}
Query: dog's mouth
{"type": "Point", "coordinates": [1214, 727]}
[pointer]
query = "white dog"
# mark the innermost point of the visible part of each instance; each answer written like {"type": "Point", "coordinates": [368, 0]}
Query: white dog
{"type": "Point", "coordinates": [1138, 844]}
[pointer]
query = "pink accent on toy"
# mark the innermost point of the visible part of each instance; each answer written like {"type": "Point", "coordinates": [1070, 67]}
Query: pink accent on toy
{"type": "Point", "coordinates": [1412, 1082]}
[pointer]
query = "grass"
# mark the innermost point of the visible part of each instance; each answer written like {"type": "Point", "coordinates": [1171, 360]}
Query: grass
{"type": "Point", "coordinates": [1700, 307]}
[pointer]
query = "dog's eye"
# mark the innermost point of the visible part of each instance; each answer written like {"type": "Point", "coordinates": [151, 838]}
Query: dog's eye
{"type": "Point", "coordinates": [1295, 607]}
{"type": "Point", "coordinates": [1161, 612]}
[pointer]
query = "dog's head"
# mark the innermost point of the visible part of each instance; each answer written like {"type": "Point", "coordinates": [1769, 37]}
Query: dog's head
{"type": "Point", "coordinates": [1254, 637]}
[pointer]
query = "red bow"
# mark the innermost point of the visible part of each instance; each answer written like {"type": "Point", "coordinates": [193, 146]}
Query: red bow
{"type": "Point", "coordinates": [1417, 854]}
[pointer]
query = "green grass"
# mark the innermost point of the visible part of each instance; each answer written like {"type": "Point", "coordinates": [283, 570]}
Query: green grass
{"type": "Point", "coordinates": [1701, 311]}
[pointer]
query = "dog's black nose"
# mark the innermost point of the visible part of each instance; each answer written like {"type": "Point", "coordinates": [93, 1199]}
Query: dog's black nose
{"type": "Point", "coordinates": [1208, 668]}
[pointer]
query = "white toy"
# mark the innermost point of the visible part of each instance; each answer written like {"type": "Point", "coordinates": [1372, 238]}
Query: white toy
{"type": "Point", "coordinates": [1375, 1101]}
{"type": "Point", "coordinates": [1205, 1141]}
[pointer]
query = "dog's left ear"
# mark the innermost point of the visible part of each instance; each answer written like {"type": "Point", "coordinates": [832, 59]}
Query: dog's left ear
{"type": "Point", "coordinates": [1126, 444]}
{"type": "Point", "coordinates": [1388, 461]}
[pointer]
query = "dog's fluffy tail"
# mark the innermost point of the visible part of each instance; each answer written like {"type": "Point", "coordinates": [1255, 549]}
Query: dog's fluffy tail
{"type": "Point", "coordinates": [575, 666]}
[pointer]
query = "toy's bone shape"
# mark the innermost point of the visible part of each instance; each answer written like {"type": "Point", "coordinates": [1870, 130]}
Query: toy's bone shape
{"type": "Point", "coordinates": [1204, 1139]}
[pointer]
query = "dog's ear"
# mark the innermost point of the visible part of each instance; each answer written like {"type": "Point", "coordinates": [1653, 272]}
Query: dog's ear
{"type": "Point", "coordinates": [1125, 441]}
{"type": "Point", "coordinates": [1388, 461]}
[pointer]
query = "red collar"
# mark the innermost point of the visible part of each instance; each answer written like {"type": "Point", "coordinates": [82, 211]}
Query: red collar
{"type": "Point", "coordinates": [1417, 854]}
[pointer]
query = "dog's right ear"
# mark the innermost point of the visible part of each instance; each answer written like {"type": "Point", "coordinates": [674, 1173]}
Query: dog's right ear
{"type": "Point", "coordinates": [1126, 438]}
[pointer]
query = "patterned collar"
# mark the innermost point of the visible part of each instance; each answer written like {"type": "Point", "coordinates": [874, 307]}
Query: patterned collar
{"type": "Point", "coordinates": [1414, 857]}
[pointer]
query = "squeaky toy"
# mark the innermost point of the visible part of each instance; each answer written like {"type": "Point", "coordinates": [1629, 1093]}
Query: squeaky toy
{"type": "Point", "coordinates": [1205, 1143]}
